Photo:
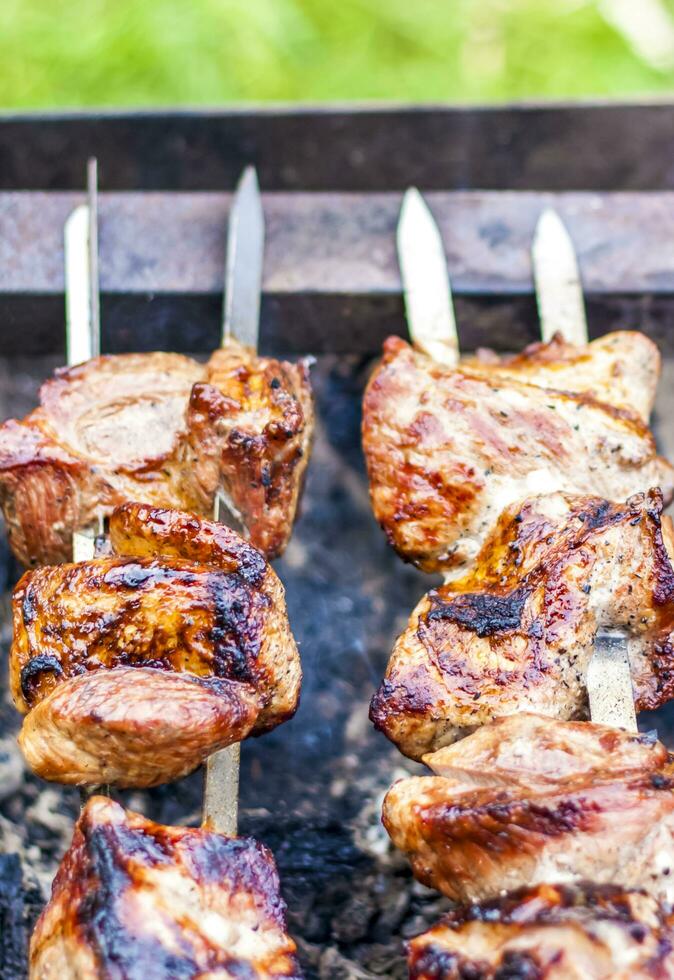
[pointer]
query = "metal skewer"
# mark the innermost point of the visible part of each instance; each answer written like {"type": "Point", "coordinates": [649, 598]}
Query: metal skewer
{"type": "Point", "coordinates": [241, 321]}
{"type": "Point", "coordinates": [559, 294]}
{"type": "Point", "coordinates": [426, 285]}
{"type": "Point", "coordinates": [561, 308]}
{"type": "Point", "coordinates": [83, 329]}
{"type": "Point", "coordinates": [83, 326]}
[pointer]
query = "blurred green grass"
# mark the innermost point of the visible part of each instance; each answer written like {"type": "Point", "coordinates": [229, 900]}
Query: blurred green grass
{"type": "Point", "coordinates": [130, 52]}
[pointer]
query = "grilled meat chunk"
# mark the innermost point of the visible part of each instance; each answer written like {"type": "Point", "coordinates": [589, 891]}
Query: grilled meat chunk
{"type": "Point", "coordinates": [517, 632]}
{"type": "Point", "coordinates": [132, 670]}
{"type": "Point", "coordinates": [448, 450]}
{"type": "Point", "coordinates": [134, 726]}
{"type": "Point", "coordinates": [136, 900]}
{"type": "Point", "coordinates": [142, 531]}
{"type": "Point", "coordinates": [162, 429]}
{"type": "Point", "coordinates": [528, 800]}
{"type": "Point", "coordinates": [620, 369]}
{"type": "Point", "coordinates": [552, 932]}
{"type": "Point", "coordinates": [250, 429]}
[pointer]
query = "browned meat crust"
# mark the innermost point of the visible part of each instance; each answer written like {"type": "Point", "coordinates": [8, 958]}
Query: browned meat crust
{"type": "Point", "coordinates": [448, 450]}
{"type": "Point", "coordinates": [85, 634]}
{"type": "Point", "coordinates": [142, 531]}
{"type": "Point", "coordinates": [517, 632]}
{"type": "Point", "coordinates": [539, 801]}
{"type": "Point", "coordinates": [134, 726]}
{"type": "Point", "coordinates": [136, 900]}
{"type": "Point", "coordinates": [250, 430]}
{"type": "Point", "coordinates": [162, 429]}
{"type": "Point", "coordinates": [552, 932]}
{"type": "Point", "coordinates": [621, 368]}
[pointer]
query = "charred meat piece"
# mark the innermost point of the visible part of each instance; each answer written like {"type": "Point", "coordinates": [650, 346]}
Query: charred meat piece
{"type": "Point", "coordinates": [529, 800]}
{"type": "Point", "coordinates": [552, 932]}
{"type": "Point", "coordinates": [250, 428]}
{"type": "Point", "coordinates": [136, 900]}
{"type": "Point", "coordinates": [162, 429]}
{"type": "Point", "coordinates": [620, 369]}
{"type": "Point", "coordinates": [448, 450]}
{"type": "Point", "coordinates": [517, 632]}
{"type": "Point", "coordinates": [132, 670]}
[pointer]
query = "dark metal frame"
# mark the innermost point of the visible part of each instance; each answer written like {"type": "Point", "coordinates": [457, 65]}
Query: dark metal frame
{"type": "Point", "coordinates": [332, 179]}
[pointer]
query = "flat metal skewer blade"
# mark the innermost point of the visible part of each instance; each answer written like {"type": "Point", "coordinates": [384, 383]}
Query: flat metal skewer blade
{"type": "Point", "coordinates": [425, 278]}
{"type": "Point", "coordinates": [81, 277]}
{"type": "Point", "coordinates": [244, 263]}
{"type": "Point", "coordinates": [94, 287]}
{"type": "Point", "coordinates": [221, 793]}
{"type": "Point", "coordinates": [77, 284]}
{"type": "Point", "coordinates": [83, 332]}
{"type": "Point", "coordinates": [241, 321]}
{"type": "Point", "coordinates": [559, 292]}
{"type": "Point", "coordinates": [609, 683]}
{"type": "Point", "coordinates": [82, 306]}
{"type": "Point", "coordinates": [561, 309]}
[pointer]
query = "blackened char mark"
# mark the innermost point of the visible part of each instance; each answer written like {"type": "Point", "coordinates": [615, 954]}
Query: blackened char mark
{"type": "Point", "coordinates": [135, 575]}
{"type": "Point", "coordinates": [442, 964]}
{"type": "Point", "coordinates": [32, 672]}
{"type": "Point", "coordinates": [118, 855]}
{"type": "Point", "coordinates": [243, 863]}
{"type": "Point", "coordinates": [483, 613]}
{"type": "Point", "coordinates": [29, 606]}
{"type": "Point", "coordinates": [117, 949]}
{"type": "Point", "coordinates": [236, 632]}
{"type": "Point", "coordinates": [547, 904]}
{"type": "Point", "coordinates": [252, 565]}
{"type": "Point", "coordinates": [596, 517]}
{"type": "Point", "coordinates": [394, 700]}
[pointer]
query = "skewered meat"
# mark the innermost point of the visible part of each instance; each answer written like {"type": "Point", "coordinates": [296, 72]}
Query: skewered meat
{"type": "Point", "coordinates": [620, 368]}
{"type": "Point", "coordinates": [528, 800]}
{"type": "Point", "coordinates": [448, 450]}
{"type": "Point", "coordinates": [517, 632]}
{"type": "Point", "coordinates": [162, 429]}
{"type": "Point", "coordinates": [138, 901]}
{"type": "Point", "coordinates": [132, 670]}
{"type": "Point", "coordinates": [552, 932]}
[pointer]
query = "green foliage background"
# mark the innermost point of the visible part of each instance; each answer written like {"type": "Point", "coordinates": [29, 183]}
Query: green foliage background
{"type": "Point", "coordinates": [141, 52]}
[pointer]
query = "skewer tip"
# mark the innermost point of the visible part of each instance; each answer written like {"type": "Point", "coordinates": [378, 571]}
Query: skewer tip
{"type": "Point", "coordinates": [248, 178]}
{"type": "Point", "coordinates": [412, 202]}
{"type": "Point", "coordinates": [549, 224]}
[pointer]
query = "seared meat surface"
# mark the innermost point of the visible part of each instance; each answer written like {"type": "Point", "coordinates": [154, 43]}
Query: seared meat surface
{"type": "Point", "coordinates": [529, 800]}
{"type": "Point", "coordinates": [552, 932]}
{"type": "Point", "coordinates": [132, 670]}
{"type": "Point", "coordinates": [162, 429]}
{"type": "Point", "coordinates": [448, 450]}
{"type": "Point", "coordinates": [517, 633]}
{"type": "Point", "coordinates": [250, 429]}
{"type": "Point", "coordinates": [620, 368]}
{"type": "Point", "coordinates": [135, 900]}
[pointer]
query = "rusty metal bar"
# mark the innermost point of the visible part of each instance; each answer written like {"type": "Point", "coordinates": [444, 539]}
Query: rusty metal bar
{"type": "Point", "coordinates": [331, 279]}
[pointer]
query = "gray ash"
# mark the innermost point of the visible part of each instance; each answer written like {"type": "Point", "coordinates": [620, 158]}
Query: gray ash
{"type": "Point", "coordinates": [312, 789]}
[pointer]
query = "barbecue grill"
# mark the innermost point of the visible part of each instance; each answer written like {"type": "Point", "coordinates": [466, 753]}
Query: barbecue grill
{"type": "Point", "coordinates": [332, 183]}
